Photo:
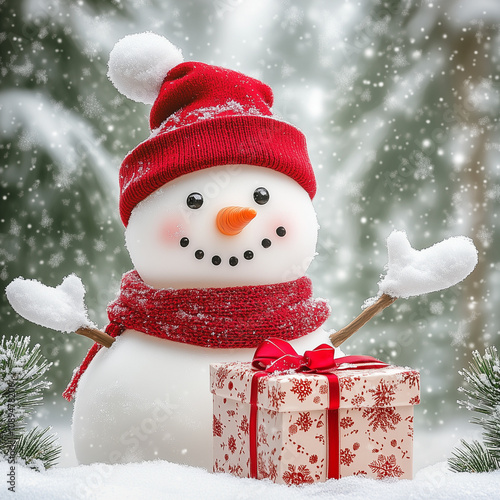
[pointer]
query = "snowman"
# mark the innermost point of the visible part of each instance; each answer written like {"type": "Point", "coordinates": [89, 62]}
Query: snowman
{"type": "Point", "coordinates": [220, 228]}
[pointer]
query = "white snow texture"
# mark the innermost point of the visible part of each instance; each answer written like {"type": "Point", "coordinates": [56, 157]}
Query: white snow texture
{"type": "Point", "coordinates": [161, 480]}
{"type": "Point", "coordinates": [413, 272]}
{"type": "Point", "coordinates": [139, 63]}
{"type": "Point", "coordinates": [61, 308]}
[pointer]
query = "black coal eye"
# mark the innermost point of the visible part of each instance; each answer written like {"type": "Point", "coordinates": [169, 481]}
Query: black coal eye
{"type": "Point", "coordinates": [194, 200]}
{"type": "Point", "coordinates": [261, 196]}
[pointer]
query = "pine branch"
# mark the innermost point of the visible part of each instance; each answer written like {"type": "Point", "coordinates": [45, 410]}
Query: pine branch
{"type": "Point", "coordinates": [21, 375]}
{"type": "Point", "coordinates": [38, 449]}
{"type": "Point", "coordinates": [483, 394]}
{"type": "Point", "coordinates": [22, 380]}
{"type": "Point", "coordinates": [472, 457]}
{"type": "Point", "coordinates": [483, 379]}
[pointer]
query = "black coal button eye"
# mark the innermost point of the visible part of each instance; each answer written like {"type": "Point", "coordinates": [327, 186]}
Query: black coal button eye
{"type": "Point", "coordinates": [261, 196]}
{"type": "Point", "coordinates": [194, 200]}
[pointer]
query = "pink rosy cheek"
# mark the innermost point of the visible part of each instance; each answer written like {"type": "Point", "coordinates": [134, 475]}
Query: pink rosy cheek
{"type": "Point", "coordinates": [171, 230]}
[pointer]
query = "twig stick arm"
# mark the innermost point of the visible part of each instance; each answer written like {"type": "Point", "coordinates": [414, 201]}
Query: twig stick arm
{"type": "Point", "coordinates": [343, 334]}
{"type": "Point", "coordinates": [96, 335]}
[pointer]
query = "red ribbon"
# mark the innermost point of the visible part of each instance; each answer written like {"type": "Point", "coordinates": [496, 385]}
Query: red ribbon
{"type": "Point", "coordinates": [276, 355]}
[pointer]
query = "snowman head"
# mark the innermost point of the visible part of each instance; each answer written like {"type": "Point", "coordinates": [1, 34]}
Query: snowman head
{"type": "Point", "coordinates": [220, 193]}
{"type": "Point", "coordinates": [229, 225]}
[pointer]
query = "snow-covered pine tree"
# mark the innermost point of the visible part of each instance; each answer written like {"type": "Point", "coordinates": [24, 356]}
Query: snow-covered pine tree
{"type": "Point", "coordinates": [483, 394]}
{"type": "Point", "coordinates": [22, 380]}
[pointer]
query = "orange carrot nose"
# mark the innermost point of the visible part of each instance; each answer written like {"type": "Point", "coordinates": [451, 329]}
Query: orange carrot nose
{"type": "Point", "coordinates": [232, 220]}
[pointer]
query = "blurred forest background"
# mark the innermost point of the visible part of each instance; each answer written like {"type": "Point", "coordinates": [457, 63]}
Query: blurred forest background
{"type": "Point", "coordinates": [399, 101]}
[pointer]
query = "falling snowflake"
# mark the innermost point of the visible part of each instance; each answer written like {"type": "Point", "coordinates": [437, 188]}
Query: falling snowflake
{"type": "Point", "coordinates": [300, 476]}
{"type": "Point", "coordinates": [346, 456]}
{"type": "Point", "coordinates": [385, 418]}
{"type": "Point", "coordinates": [304, 421]}
{"type": "Point", "coordinates": [302, 388]}
{"type": "Point", "coordinates": [217, 427]}
{"type": "Point", "coordinates": [313, 459]}
{"type": "Point", "coordinates": [383, 394]}
{"type": "Point", "coordinates": [386, 467]}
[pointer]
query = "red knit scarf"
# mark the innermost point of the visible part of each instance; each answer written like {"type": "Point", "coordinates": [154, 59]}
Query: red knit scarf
{"type": "Point", "coordinates": [212, 317]}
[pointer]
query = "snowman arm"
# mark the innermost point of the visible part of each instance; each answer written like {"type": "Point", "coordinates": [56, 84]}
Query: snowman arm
{"type": "Point", "coordinates": [413, 272]}
{"type": "Point", "coordinates": [96, 335]}
{"type": "Point", "coordinates": [343, 334]}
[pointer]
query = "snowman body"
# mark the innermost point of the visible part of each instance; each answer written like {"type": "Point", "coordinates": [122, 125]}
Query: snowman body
{"type": "Point", "coordinates": [148, 398]}
{"type": "Point", "coordinates": [160, 405]}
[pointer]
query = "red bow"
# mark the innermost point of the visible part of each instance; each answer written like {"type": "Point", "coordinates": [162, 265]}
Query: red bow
{"type": "Point", "coordinates": [276, 355]}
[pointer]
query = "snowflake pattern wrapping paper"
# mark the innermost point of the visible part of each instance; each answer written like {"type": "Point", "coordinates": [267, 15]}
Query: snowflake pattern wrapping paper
{"type": "Point", "coordinates": [372, 429]}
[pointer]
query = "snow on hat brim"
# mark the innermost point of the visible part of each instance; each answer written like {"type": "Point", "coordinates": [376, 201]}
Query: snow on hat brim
{"type": "Point", "coordinates": [247, 140]}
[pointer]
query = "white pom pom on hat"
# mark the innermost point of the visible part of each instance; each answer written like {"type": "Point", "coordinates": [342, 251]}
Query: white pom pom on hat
{"type": "Point", "coordinates": [139, 63]}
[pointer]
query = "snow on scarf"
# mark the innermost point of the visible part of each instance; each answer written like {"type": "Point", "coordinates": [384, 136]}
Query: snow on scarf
{"type": "Point", "coordinates": [219, 318]}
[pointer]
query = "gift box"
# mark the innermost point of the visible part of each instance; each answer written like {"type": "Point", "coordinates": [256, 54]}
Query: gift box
{"type": "Point", "coordinates": [296, 427]}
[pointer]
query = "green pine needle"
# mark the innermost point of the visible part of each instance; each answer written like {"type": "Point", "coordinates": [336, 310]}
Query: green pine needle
{"type": "Point", "coordinates": [482, 390]}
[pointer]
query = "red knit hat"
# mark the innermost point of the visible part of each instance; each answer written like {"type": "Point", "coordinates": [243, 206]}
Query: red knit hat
{"type": "Point", "coordinates": [202, 116]}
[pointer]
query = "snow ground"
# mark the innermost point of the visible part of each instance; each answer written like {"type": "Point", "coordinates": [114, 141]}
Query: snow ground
{"type": "Point", "coordinates": [162, 480]}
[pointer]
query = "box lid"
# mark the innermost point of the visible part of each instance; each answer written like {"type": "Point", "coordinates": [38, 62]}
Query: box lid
{"type": "Point", "coordinates": [380, 387]}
